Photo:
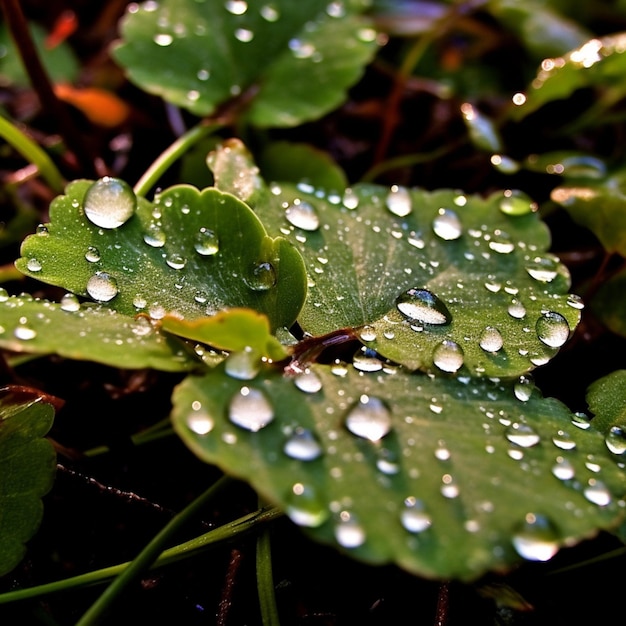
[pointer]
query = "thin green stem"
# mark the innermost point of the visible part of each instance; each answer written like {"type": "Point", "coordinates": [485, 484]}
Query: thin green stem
{"type": "Point", "coordinates": [32, 153]}
{"type": "Point", "coordinates": [165, 160]}
{"type": "Point", "coordinates": [158, 431]}
{"type": "Point", "coordinates": [265, 580]}
{"type": "Point", "coordinates": [184, 550]}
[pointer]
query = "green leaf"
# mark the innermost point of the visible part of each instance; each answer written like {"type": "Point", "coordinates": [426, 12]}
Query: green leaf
{"type": "Point", "coordinates": [88, 332]}
{"type": "Point", "coordinates": [606, 398]}
{"type": "Point", "coordinates": [569, 164]}
{"type": "Point", "coordinates": [28, 468]}
{"type": "Point", "coordinates": [609, 303]}
{"type": "Point", "coordinates": [372, 249]}
{"type": "Point", "coordinates": [231, 330]}
{"type": "Point", "coordinates": [293, 61]}
{"type": "Point", "coordinates": [446, 478]}
{"type": "Point", "coordinates": [598, 62]}
{"type": "Point", "coordinates": [482, 131]}
{"type": "Point", "coordinates": [189, 253]}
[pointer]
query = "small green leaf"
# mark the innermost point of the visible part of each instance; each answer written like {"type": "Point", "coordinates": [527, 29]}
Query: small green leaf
{"type": "Point", "coordinates": [443, 477]}
{"type": "Point", "coordinates": [293, 60]}
{"type": "Point", "coordinates": [569, 164]}
{"type": "Point", "coordinates": [482, 131]}
{"type": "Point", "coordinates": [189, 253]}
{"type": "Point", "coordinates": [609, 303]}
{"type": "Point", "coordinates": [27, 472]}
{"type": "Point", "coordinates": [88, 332]}
{"type": "Point", "coordinates": [606, 398]}
{"type": "Point", "coordinates": [231, 330]}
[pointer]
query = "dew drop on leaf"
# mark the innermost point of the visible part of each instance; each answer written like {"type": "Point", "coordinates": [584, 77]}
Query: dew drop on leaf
{"type": "Point", "coordinates": [24, 332]}
{"type": "Point", "coordinates": [414, 517]}
{"type": "Point", "coordinates": [369, 418]}
{"type": "Point", "coordinates": [242, 365]}
{"type": "Point", "coordinates": [491, 339]}
{"type": "Point", "coordinates": [552, 329]}
{"type": "Point", "coordinates": [250, 409]}
{"type": "Point", "coordinates": [367, 333]}
{"type": "Point", "coordinates": [522, 435]}
{"type": "Point", "coordinates": [33, 265]}
{"type": "Point", "coordinates": [516, 203]}
{"type": "Point", "coordinates": [262, 277]}
{"type": "Point", "coordinates": [597, 492]}
{"type": "Point", "coordinates": [542, 269]}
{"type": "Point", "coordinates": [303, 445]}
{"type": "Point", "coordinates": [398, 201]}
{"type": "Point", "coordinates": [501, 243]}
{"type": "Point", "coordinates": [421, 305]}
{"type": "Point", "coordinates": [302, 215]}
{"type": "Point", "coordinates": [448, 356]}
{"type": "Point", "coordinates": [616, 440]}
{"type": "Point", "coordinates": [176, 261]}
{"type": "Point", "coordinates": [154, 236]}
{"type": "Point", "coordinates": [305, 507]}
{"type": "Point", "coordinates": [447, 225]}
{"type": "Point", "coordinates": [69, 302]}
{"type": "Point", "coordinates": [563, 441]}
{"type": "Point", "coordinates": [308, 381]}
{"type": "Point", "coordinates": [563, 469]}
{"type": "Point", "coordinates": [199, 421]}
{"type": "Point", "coordinates": [269, 12]}
{"type": "Point", "coordinates": [582, 421]}
{"type": "Point", "coordinates": [102, 287]}
{"type": "Point", "coordinates": [449, 488]}
{"type": "Point", "coordinates": [576, 302]}
{"type": "Point", "coordinates": [109, 202]}
{"type": "Point", "coordinates": [92, 255]}
{"type": "Point", "coordinates": [536, 539]}
{"type": "Point", "coordinates": [350, 199]}
{"type": "Point", "coordinates": [517, 310]}
{"type": "Point", "coordinates": [206, 242]}
{"type": "Point", "coordinates": [348, 531]}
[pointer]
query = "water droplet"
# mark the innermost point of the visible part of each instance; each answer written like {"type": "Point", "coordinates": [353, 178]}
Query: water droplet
{"type": "Point", "coordinates": [102, 287]}
{"type": "Point", "coordinates": [139, 302]}
{"type": "Point", "coordinates": [350, 199]}
{"type": "Point", "coordinates": [576, 302]}
{"type": "Point", "coordinates": [262, 277]}
{"type": "Point", "coordinates": [552, 329]}
{"type": "Point", "coordinates": [302, 215]}
{"type": "Point", "coordinates": [42, 230]}
{"type": "Point", "coordinates": [23, 331]}
{"type": "Point", "coordinates": [236, 7]}
{"type": "Point", "coordinates": [543, 269]}
{"type": "Point", "coordinates": [413, 516]}
{"type": "Point", "coordinates": [157, 311]}
{"type": "Point", "coordinates": [517, 310]}
{"type": "Point", "coordinates": [92, 255]}
{"type": "Point", "coordinates": [176, 261]}
{"type": "Point", "coordinates": [348, 532]}
{"type": "Point", "coordinates": [305, 507]}
{"type": "Point", "coordinates": [522, 435]}
{"type": "Point", "coordinates": [616, 440]}
{"type": "Point", "coordinates": [109, 202]}
{"type": "Point", "coordinates": [303, 445]}
{"type": "Point", "coordinates": [206, 242]}
{"type": "Point", "coordinates": [449, 487]}
{"type": "Point", "coordinates": [516, 203]}
{"type": "Point", "coordinates": [501, 243]}
{"type": "Point", "coordinates": [597, 492]}
{"type": "Point", "coordinates": [366, 361]}
{"type": "Point", "coordinates": [582, 421]}
{"type": "Point", "coordinates": [269, 13]}
{"type": "Point", "coordinates": [308, 381]}
{"type": "Point", "coordinates": [244, 35]}
{"type": "Point", "coordinates": [398, 201]}
{"type": "Point", "coordinates": [154, 235]}
{"type": "Point", "coordinates": [536, 539]}
{"type": "Point", "coordinates": [563, 469]}
{"type": "Point", "coordinates": [563, 441]}
{"type": "Point", "coordinates": [250, 409]}
{"type": "Point", "coordinates": [199, 421]}
{"type": "Point", "coordinates": [448, 356]}
{"type": "Point", "coordinates": [369, 418]}
{"type": "Point", "coordinates": [69, 302]}
{"type": "Point", "coordinates": [447, 225]}
{"type": "Point", "coordinates": [367, 333]}
{"type": "Point", "coordinates": [33, 265]}
{"type": "Point", "coordinates": [421, 305]}
{"type": "Point", "coordinates": [242, 365]}
{"type": "Point", "coordinates": [387, 462]}
{"type": "Point", "coordinates": [491, 339]}
{"type": "Point", "coordinates": [163, 39]}
{"type": "Point", "coordinates": [523, 388]}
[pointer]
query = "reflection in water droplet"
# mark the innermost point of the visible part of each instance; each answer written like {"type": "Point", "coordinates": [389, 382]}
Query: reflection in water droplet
{"type": "Point", "coordinates": [92, 255]}
{"type": "Point", "coordinates": [616, 440]}
{"type": "Point", "coordinates": [447, 225]}
{"type": "Point", "coordinates": [576, 302]}
{"type": "Point", "coordinates": [563, 469]}
{"type": "Point", "coordinates": [348, 532]}
{"type": "Point", "coordinates": [522, 435]}
{"type": "Point", "coordinates": [69, 302]}
{"type": "Point", "coordinates": [523, 388]}
{"type": "Point", "coordinates": [536, 539]}
{"type": "Point", "coordinates": [176, 261]}
{"type": "Point", "coordinates": [109, 202]}
{"type": "Point", "coordinates": [552, 329]}
{"type": "Point", "coordinates": [516, 202]}
{"type": "Point", "coordinates": [367, 333]}
{"type": "Point", "coordinates": [369, 418]}
{"type": "Point", "coordinates": [448, 356]}
{"type": "Point", "coordinates": [242, 365]}
{"type": "Point", "coordinates": [491, 339]}
{"type": "Point", "coordinates": [262, 277]}
{"type": "Point", "coordinates": [102, 287]}
{"type": "Point", "coordinates": [33, 265]}
{"type": "Point", "coordinates": [543, 269]}
{"type": "Point", "coordinates": [413, 516]}
{"type": "Point", "coordinates": [421, 305]}
{"type": "Point", "coordinates": [398, 201]}
{"type": "Point", "coordinates": [597, 492]}
{"type": "Point", "coordinates": [308, 381]}
{"type": "Point", "coordinates": [517, 310]}
{"type": "Point", "coordinates": [206, 242]}
{"type": "Point", "coordinates": [582, 421]}
{"type": "Point", "coordinates": [250, 409]}
{"type": "Point", "coordinates": [305, 507]}
{"type": "Point", "coordinates": [302, 215]}
{"type": "Point", "coordinates": [303, 445]}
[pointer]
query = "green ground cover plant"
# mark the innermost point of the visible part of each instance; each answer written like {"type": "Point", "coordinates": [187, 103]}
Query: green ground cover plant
{"type": "Point", "coordinates": [295, 292]}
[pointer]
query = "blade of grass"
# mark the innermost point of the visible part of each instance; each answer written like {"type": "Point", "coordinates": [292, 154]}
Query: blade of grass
{"type": "Point", "coordinates": [265, 580]}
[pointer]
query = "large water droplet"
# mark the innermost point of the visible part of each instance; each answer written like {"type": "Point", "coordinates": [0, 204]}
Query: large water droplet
{"type": "Point", "coordinates": [303, 445]}
{"type": "Point", "coordinates": [516, 202]}
{"type": "Point", "coordinates": [206, 243]}
{"type": "Point", "coordinates": [154, 235]}
{"type": "Point", "coordinates": [563, 469]}
{"type": "Point", "coordinates": [33, 265]}
{"type": "Point", "coordinates": [552, 329]}
{"type": "Point", "coordinates": [447, 225]}
{"type": "Point", "coordinates": [176, 261]}
{"type": "Point", "coordinates": [491, 340]}
{"type": "Point", "coordinates": [305, 507]}
{"type": "Point", "coordinates": [369, 418]}
{"type": "Point", "coordinates": [109, 202]}
{"type": "Point", "coordinates": [543, 269]}
{"type": "Point", "coordinates": [448, 356]}
{"type": "Point", "coordinates": [243, 365]}
{"type": "Point", "coordinates": [522, 435]}
{"type": "Point", "coordinates": [596, 491]}
{"type": "Point", "coordinates": [501, 243]}
{"type": "Point", "coordinates": [537, 538]}
{"type": "Point", "coordinates": [69, 302]}
{"type": "Point", "coordinates": [198, 420]}
{"type": "Point", "coordinates": [398, 201]}
{"type": "Point", "coordinates": [421, 305]}
{"type": "Point", "coordinates": [302, 215]}
{"type": "Point", "coordinates": [616, 440]}
{"type": "Point", "coordinates": [308, 381]}
{"type": "Point", "coordinates": [102, 287]}
{"type": "Point", "coordinates": [413, 516]}
{"type": "Point", "coordinates": [517, 310]}
{"type": "Point", "coordinates": [23, 331]}
{"type": "Point", "coordinates": [348, 531]}
{"type": "Point", "coordinates": [262, 277]}
{"type": "Point", "coordinates": [250, 409]}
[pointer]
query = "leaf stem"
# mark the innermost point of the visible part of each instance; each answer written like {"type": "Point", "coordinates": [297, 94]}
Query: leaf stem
{"type": "Point", "coordinates": [164, 161]}
{"type": "Point", "coordinates": [265, 580]}
{"type": "Point", "coordinates": [172, 555]}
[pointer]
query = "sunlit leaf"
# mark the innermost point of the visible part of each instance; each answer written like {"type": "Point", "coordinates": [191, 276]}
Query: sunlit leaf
{"type": "Point", "coordinates": [443, 477]}
{"type": "Point", "coordinates": [607, 401]}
